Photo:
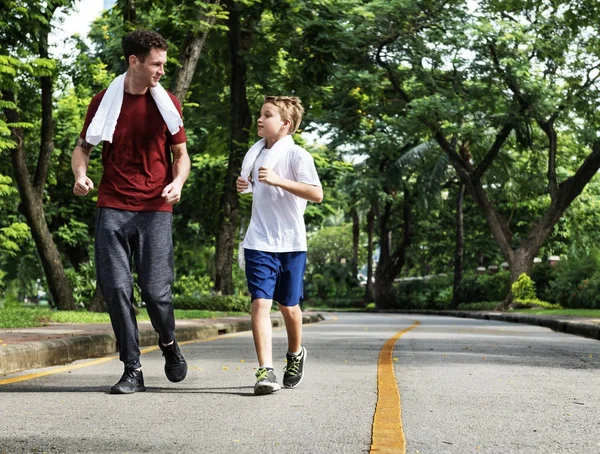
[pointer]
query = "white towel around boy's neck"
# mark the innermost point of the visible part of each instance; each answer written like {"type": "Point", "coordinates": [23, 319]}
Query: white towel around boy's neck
{"type": "Point", "coordinates": [270, 160]}
{"type": "Point", "coordinates": [102, 126]}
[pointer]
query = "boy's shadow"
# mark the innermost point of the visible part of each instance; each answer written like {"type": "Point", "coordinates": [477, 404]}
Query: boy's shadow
{"type": "Point", "coordinates": [241, 390]}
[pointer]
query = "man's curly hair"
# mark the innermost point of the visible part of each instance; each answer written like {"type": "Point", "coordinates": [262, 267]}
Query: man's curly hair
{"type": "Point", "coordinates": [290, 108]}
{"type": "Point", "coordinates": [141, 42]}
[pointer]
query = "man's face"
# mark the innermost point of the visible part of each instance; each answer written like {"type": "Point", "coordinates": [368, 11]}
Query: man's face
{"type": "Point", "coordinates": [149, 71]}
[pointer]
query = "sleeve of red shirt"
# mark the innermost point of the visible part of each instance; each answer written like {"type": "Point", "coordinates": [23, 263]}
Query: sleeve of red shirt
{"type": "Point", "coordinates": [180, 137]}
{"type": "Point", "coordinates": [92, 108]}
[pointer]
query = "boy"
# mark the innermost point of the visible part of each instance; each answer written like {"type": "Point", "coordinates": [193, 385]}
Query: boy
{"type": "Point", "coordinates": [282, 177]}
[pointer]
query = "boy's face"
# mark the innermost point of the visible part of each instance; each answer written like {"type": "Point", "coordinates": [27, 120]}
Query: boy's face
{"type": "Point", "coordinates": [149, 71]}
{"type": "Point", "coordinates": [270, 123]}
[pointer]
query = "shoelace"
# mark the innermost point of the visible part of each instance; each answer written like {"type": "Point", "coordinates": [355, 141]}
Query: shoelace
{"type": "Point", "coordinates": [172, 353]}
{"type": "Point", "coordinates": [129, 374]}
{"type": "Point", "coordinates": [293, 365]}
{"type": "Point", "coordinates": [261, 374]}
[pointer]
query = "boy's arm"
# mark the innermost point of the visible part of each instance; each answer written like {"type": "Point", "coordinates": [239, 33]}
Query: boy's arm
{"type": "Point", "coordinates": [242, 184]}
{"type": "Point", "coordinates": [305, 191]}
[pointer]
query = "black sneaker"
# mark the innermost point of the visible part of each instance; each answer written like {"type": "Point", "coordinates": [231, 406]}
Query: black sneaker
{"type": "Point", "coordinates": [132, 381]}
{"type": "Point", "coordinates": [175, 365]}
{"type": "Point", "coordinates": [266, 382]}
{"type": "Point", "coordinates": [294, 370]}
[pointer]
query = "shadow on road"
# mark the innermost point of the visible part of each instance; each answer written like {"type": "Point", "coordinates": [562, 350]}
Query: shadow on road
{"type": "Point", "coordinates": [237, 391]}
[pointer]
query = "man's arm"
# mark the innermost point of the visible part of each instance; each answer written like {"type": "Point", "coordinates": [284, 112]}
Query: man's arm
{"type": "Point", "coordinates": [80, 160]}
{"type": "Point", "coordinates": [303, 190]}
{"type": "Point", "coordinates": [181, 170]}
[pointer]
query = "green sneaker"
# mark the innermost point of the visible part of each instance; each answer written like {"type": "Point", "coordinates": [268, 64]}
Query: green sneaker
{"type": "Point", "coordinates": [294, 370]}
{"type": "Point", "coordinates": [266, 382]}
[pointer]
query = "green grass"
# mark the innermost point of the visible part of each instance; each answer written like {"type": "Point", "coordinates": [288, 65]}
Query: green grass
{"type": "Point", "coordinates": [591, 313]}
{"type": "Point", "coordinates": [24, 317]}
{"type": "Point", "coordinates": [14, 317]}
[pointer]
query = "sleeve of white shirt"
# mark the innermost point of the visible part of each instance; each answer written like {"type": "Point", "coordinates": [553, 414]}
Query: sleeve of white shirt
{"type": "Point", "coordinates": [304, 167]}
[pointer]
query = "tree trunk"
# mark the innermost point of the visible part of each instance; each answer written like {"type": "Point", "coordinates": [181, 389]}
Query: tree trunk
{"type": "Point", "coordinates": [370, 234]}
{"type": "Point", "coordinates": [521, 262]}
{"type": "Point", "coordinates": [33, 209]}
{"type": "Point", "coordinates": [190, 54]}
{"type": "Point", "coordinates": [47, 131]}
{"type": "Point", "coordinates": [238, 145]}
{"type": "Point", "coordinates": [390, 263]}
{"type": "Point", "coordinates": [129, 13]}
{"type": "Point", "coordinates": [383, 288]}
{"type": "Point", "coordinates": [459, 250]}
{"type": "Point", "coordinates": [97, 303]}
{"type": "Point", "coordinates": [355, 243]}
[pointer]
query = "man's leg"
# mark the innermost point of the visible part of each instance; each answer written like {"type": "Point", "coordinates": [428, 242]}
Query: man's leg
{"type": "Point", "coordinates": [154, 263]}
{"type": "Point", "coordinates": [113, 274]}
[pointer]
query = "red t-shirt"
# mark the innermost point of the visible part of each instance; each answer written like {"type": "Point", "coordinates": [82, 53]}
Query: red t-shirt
{"type": "Point", "coordinates": [137, 164]}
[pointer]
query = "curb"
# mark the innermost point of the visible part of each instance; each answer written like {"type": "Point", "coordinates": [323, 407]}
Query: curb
{"type": "Point", "coordinates": [568, 326]}
{"type": "Point", "coordinates": [35, 355]}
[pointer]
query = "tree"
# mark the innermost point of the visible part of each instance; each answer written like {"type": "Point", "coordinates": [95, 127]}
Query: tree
{"type": "Point", "coordinates": [492, 81]}
{"type": "Point", "coordinates": [34, 22]}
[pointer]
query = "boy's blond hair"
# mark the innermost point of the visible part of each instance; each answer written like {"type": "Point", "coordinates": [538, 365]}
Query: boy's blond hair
{"type": "Point", "coordinates": [290, 108]}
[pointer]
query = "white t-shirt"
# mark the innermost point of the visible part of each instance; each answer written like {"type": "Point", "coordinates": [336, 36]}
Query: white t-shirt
{"type": "Point", "coordinates": [277, 222]}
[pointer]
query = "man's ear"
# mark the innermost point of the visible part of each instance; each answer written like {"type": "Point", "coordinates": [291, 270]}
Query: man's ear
{"type": "Point", "coordinates": [133, 60]}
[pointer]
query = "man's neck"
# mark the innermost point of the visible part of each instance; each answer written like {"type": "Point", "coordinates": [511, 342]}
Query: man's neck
{"type": "Point", "coordinates": [132, 86]}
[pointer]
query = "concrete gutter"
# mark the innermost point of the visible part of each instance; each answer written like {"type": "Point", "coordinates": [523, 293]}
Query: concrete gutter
{"type": "Point", "coordinates": [578, 326]}
{"type": "Point", "coordinates": [77, 344]}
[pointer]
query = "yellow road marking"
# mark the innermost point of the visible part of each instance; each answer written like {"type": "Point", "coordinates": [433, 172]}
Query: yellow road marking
{"type": "Point", "coordinates": [388, 435]}
{"type": "Point", "coordinates": [55, 371]}
{"type": "Point", "coordinates": [95, 362]}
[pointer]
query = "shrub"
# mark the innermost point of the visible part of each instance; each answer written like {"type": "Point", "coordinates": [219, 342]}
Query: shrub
{"type": "Point", "coordinates": [523, 288]}
{"type": "Point", "coordinates": [542, 275]}
{"type": "Point", "coordinates": [576, 283]}
{"type": "Point", "coordinates": [476, 288]}
{"type": "Point", "coordinates": [220, 303]}
{"type": "Point", "coordinates": [478, 306]}
{"type": "Point", "coordinates": [192, 286]}
{"type": "Point", "coordinates": [533, 303]}
{"type": "Point", "coordinates": [420, 293]}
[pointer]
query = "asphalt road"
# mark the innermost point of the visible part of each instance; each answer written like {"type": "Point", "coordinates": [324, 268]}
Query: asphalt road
{"type": "Point", "coordinates": [465, 386]}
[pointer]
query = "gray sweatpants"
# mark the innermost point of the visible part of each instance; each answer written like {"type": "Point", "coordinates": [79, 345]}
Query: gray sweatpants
{"type": "Point", "coordinates": [145, 238]}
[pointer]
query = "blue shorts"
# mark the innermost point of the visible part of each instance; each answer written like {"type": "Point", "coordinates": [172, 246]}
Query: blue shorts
{"type": "Point", "coordinates": [276, 275]}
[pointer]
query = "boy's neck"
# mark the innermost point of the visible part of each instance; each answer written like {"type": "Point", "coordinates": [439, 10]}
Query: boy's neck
{"type": "Point", "coordinates": [271, 141]}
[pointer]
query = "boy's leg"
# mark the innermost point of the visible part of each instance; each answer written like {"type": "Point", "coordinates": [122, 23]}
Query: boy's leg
{"type": "Point", "coordinates": [154, 263]}
{"type": "Point", "coordinates": [113, 274]}
{"type": "Point", "coordinates": [261, 274]}
{"type": "Point", "coordinates": [262, 331]}
{"type": "Point", "coordinates": [289, 293]}
{"type": "Point", "coordinates": [292, 315]}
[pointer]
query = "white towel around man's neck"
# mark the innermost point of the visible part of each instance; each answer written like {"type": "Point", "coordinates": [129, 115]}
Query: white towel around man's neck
{"type": "Point", "coordinates": [271, 159]}
{"type": "Point", "coordinates": [104, 122]}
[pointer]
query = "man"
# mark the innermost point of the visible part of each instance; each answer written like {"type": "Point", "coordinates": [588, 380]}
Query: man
{"type": "Point", "coordinates": [140, 126]}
